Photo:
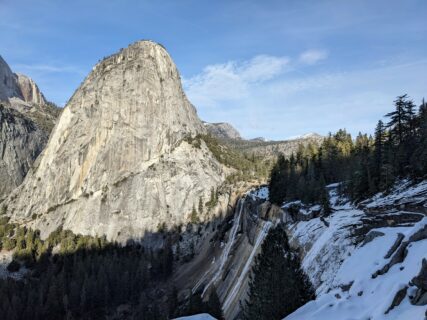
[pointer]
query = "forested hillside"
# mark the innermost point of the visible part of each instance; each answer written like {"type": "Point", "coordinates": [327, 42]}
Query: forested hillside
{"type": "Point", "coordinates": [366, 165]}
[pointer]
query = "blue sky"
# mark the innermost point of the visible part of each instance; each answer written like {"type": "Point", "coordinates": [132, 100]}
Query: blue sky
{"type": "Point", "coordinates": [275, 69]}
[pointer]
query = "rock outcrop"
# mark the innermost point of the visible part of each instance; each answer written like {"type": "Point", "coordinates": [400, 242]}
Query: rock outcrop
{"type": "Point", "coordinates": [29, 90]}
{"type": "Point", "coordinates": [21, 141]}
{"type": "Point", "coordinates": [26, 120]}
{"type": "Point", "coordinates": [18, 87]}
{"type": "Point", "coordinates": [9, 85]}
{"type": "Point", "coordinates": [223, 130]}
{"type": "Point", "coordinates": [117, 163]}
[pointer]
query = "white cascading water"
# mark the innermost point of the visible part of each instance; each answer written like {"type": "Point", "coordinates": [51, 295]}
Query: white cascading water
{"type": "Point", "coordinates": [261, 236]}
{"type": "Point", "coordinates": [225, 253]}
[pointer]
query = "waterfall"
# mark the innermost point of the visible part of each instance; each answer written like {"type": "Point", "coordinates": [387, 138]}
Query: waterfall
{"type": "Point", "coordinates": [261, 236]}
{"type": "Point", "coordinates": [225, 253]}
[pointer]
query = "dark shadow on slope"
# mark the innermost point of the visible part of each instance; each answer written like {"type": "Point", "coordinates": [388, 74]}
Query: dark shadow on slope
{"type": "Point", "coordinates": [82, 277]}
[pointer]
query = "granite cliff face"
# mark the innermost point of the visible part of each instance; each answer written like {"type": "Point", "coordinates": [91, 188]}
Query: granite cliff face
{"type": "Point", "coordinates": [15, 87]}
{"type": "Point", "coordinates": [117, 162]}
{"type": "Point", "coordinates": [25, 123]}
{"type": "Point", "coordinates": [29, 90]}
{"type": "Point", "coordinates": [21, 141]}
{"type": "Point", "coordinates": [222, 130]}
{"type": "Point", "coordinates": [9, 86]}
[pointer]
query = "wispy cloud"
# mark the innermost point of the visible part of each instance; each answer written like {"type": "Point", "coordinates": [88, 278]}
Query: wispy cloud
{"type": "Point", "coordinates": [233, 80]}
{"type": "Point", "coordinates": [272, 96]}
{"type": "Point", "coordinates": [45, 68]}
{"type": "Point", "coordinates": [313, 56]}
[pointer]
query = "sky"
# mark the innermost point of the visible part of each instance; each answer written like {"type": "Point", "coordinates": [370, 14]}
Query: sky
{"type": "Point", "coordinates": [273, 69]}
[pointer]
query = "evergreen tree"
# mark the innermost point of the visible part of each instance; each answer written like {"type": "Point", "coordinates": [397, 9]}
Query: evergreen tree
{"type": "Point", "coordinates": [324, 199]}
{"type": "Point", "coordinates": [194, 216]}
{"type": "Point", "coordinates": [379, 151]}
{"type": "Point", "coordinates": [200, 205]}
{"type": "Point", "coordinates": [277, 285]}
{"type": "Point", "coordinates": [398, 118]}
{"type": "Point", "coordinates": [214, 305]}
{"type": "Point", "coordinates": [173, 303]}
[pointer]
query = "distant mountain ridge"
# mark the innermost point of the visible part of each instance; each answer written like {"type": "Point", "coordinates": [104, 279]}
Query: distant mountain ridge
{"type": "Point", "coordinates": [259, 146]}
{"type": "Point", "coordinates": [222, 130]}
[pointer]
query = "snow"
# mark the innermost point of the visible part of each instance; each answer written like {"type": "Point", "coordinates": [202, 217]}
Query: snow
{"type": "Point", "coordinates": [332, 261]}
{"type": "Point", "coordinates": [260, 193]}
{"type": "Point", "coordinates": [402, 193]}
{"type": "Point", "coordinates": [326, 246]}
{"type": "Point", "coordinates": [202, 316]}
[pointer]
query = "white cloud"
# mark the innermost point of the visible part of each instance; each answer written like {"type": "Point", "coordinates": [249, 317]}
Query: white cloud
{"type": "Point", "coordinates": [232, 80]}
{"type": "Point", "coordinates": [268, 96]}
{"type": "Point", "coordinates": [313, 56]}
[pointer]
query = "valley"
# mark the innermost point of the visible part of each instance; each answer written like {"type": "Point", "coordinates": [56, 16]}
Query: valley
{"type": "Point", "coordinates": [125, 205]}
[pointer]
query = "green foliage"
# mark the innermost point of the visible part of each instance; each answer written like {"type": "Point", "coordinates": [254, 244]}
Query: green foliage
{"type": "Point", "coordinates": [277, 285]}
{"type": "Point", "coordinates": [194, 216]}
{"type": "Point", "coordinates": [4, 220]}
{"type": "Point", "coordinates": [88, 278]}
{"type": "Point", "coordinates": [196, 305]}
{"type": "Point", "coordinates": [367, 165]}
{"type": "Point", "coordinates": [248, 167]}
{"type": "Point", "coordinates": [3, 209]}
{"type": "Point", "coordinates": [200, 205]}
{"type": "Point", "coordinates": [214, 305]}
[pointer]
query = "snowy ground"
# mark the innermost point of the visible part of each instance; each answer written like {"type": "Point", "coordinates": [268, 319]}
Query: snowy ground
{"type": "Point", "coordinates": [260, 193]}
{"type": "Point", "coordinates": [342, 271]}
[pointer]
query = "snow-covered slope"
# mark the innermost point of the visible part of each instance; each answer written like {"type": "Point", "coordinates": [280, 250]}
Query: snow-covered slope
{"type": "Point", "coordinates": [362, 261]}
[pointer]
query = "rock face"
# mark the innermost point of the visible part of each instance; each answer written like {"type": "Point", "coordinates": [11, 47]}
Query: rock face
{"type": "Point", "coordinates": [25, 124]}
{"type": "Point", "coordinates": [222, 130]}
{"type": "Point", "coordinates": [117, 162]}
{"type": "Point", "coordinates": [21, 141]}
{"type": "Point", "coordinates": [30, 91]}
{"type": "Point", "coordinates": [9, 85]}
{"type": "Point", "coordinates": [18, 86]}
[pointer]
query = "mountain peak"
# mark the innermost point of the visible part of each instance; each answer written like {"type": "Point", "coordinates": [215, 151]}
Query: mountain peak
{"type": "Point", "coordinates": [118, 160]}
{"type": "Point", "coordinates": [222, 130]}
{"type": "Point", "coordinates": [16, 88]}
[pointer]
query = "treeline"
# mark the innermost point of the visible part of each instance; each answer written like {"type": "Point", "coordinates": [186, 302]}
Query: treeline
{"type": "Point", "coordinates": [365, 165]}
{"type": "Point", "coordinates": [81, 277]}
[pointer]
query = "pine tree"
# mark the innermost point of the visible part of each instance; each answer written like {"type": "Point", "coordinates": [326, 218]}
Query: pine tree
{"type": "Point", "coordinates": [277, 286]}
{"type": "Point", "coordinates": [194, 216]}
{"type": "Point", "coordinates": [379, 151]}
{"type": "Point", "coordinates": [173, 303]}
{"type": "Point", "coordinates": [324, 199]}
{"type": "Point", "coordinates": [398, 118]}
{"type": "Point", "coordinates": [200, 205]}
{"type": "Point", "coordinates": [214, 305]}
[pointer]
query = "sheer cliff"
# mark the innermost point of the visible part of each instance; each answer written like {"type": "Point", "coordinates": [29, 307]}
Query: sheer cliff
{"type": "Point", "coordinates": [117, 162]}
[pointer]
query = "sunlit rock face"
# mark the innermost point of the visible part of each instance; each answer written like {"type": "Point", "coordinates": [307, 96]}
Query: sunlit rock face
{"type": "Point", "coordinates": [29, 90]}
{"type": "Point", "coordinates": [9, 85]}
{"type": "Point", "coordinates": [117, 163]}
